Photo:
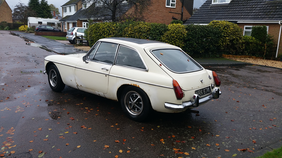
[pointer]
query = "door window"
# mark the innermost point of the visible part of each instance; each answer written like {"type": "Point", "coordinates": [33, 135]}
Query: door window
{"type": "Point", "coordinates": [106, 53]}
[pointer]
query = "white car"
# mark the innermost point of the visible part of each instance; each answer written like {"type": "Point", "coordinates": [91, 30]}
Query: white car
{"type": "Point", "coordinates": [142, 75]}
{"type": "Point", "coordinates": [74, 34]}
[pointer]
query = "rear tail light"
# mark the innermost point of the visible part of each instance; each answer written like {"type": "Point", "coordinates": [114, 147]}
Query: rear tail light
{"type": "Point", "coordinates": [177, 90]}
{"type": "Point", "coordinates": [71, 33]}
{"type": "Point", "coordinates": [216, 79]}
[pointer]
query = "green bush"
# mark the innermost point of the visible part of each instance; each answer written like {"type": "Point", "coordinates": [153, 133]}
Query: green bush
{"type": "Point", "coordinates": [157, 31]}
{"type": "Point", "coordinates": [1, 28]}
{"type": "Point", "coordinates": [260, 33]}
{"type": "Point", "coordinates": [7, 28]}
{"type": "Point", "coordinates": [203, 41]}
{"type": "Point", "coordinates": [231, 36]}
{"type": "Point", "coordinates": [137, 30]}
{"type": "Point", "coordinates": [30, 29]}
{"type": "Point", "coordinates": [175, 35]}
{"type": "Point", "coordinates": [101, 30]}
{"type": "Point", "coordinates": [3, 24]}
{"type": "Point", "coordinates": [251, 46]}
{"type": "Point", "coordinates": [177, 22]}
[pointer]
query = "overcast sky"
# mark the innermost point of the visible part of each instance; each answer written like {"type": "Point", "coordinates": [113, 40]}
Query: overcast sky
{"type": "Point", "coordinates": [59, 3]}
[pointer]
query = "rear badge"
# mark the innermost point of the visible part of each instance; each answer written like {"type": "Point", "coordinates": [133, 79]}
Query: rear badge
{"type": "Point", "coordinates": [210, 77]}
{"type": "Point", "coordinates": [202, 81]}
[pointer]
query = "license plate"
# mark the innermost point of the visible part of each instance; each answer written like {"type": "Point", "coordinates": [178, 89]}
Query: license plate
{"type": "Point", "coordinates": [204, 91]}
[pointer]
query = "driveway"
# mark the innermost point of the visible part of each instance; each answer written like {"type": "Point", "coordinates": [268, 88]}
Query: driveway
{"type": "Point", "coordinates": [37, 122]}
{"type": "Point", "coordinates": [51, 45]}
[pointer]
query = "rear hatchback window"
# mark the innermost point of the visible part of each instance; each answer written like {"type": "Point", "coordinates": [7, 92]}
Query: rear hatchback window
{"type": "Point", "coordinates": [70, 30]}
{"type": "Point", "coordinates": [176, 60]}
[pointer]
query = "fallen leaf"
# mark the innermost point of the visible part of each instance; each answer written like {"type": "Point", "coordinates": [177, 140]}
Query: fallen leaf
{"type": "Point", "coordinates": [58, 149]}
{"type": "Point", "coordinates": [120, 151]}
{"type": "Point", "coordinates": [270, 119]}
{"type": "Point", "coordinates": [67, 144]}
{"type": "Point", "coordinates": [250, 151]}
{"type": "Point", "coordinates": [78, 146]}
{"type": "Point", "coordinates": [45, 139]}
{"type": "Point", "coordinates": [193, 148]}
{"type": "Point", "coordinates": [40, 129]}
{"type": "Point", "coordinates": [242, 149]}
{"type": "Point", "coordinates": [254, 142]}
{"type": "Point", "coordinates": [72, 118]}
{"type": "Point", "coordinates": [128, 151]}
{"type": "Point", "coordinates": [185, 153]}
{"type": "Point", "coordinates": [117, 141]}
{"type": "Point", "coordinates": [31, 141]}
{"type": "Point", "coordinates": [227, 150]}
{"type": "Point", "coordinates": [208, 145]}
{"type": "Point", "coordinates": [217, 144]}
{"type": "Point", "coordinates": [74, 132]}
{"type": "Point", "coordinates": [12, 152]}
{"type": "Point", "coordinates": [107, 146]}
{"type": "Point", "coordinates": [30, 150]}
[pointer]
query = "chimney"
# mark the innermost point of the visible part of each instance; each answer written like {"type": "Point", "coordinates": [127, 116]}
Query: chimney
{"type": "Point", "coordinates": [54, 13]}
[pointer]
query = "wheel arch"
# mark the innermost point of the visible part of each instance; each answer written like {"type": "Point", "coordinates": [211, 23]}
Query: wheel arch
{"type": "Point", "coordinates": [123, 87]}
{"type": "Point", "coordinates": [48, 65]}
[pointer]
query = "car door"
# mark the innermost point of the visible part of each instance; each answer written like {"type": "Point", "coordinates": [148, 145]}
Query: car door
{"type": "Point", "coordinates": [93, 74]}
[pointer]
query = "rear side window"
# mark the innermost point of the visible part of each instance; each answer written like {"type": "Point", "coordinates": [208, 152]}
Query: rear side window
{"type": "Point", "coordinates": [81, 30]}
{"type": "Point", "coordinates": [176, 60]}
{"type": "Point", "coordinates": [129, 57]}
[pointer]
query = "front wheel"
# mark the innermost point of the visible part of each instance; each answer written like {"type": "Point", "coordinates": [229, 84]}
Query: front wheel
{"type": "Point", "coordinates": [135, 103]}
{"type": "Point", "coordinates": [54, 79]}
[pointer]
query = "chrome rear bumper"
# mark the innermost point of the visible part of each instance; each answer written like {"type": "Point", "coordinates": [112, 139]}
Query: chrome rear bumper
{"type": "Point", "coordinates": [195, 101]}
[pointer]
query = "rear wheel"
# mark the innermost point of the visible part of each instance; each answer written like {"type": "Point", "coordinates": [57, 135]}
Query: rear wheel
{"type": "Point", "coordinates": [54, 79]}
{"type": "Point", "coordinates": [135, 103]}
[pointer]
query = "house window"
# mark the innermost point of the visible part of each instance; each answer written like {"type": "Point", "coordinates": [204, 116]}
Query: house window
{"type": "Point", "coordinates": [220, 1]}
{"type": "Point", "coordinates": [248, 30]}
{"type": "Point", "coordinates": [170, 3]}
{"type": "Point", "coordinates": [70, 8]}
{"type": "Point", "coordinates": [65, 9]}
{"type": "Point", "coordinates": [85, 24]}
{"type": "Point", "coordinates": [40, 22]}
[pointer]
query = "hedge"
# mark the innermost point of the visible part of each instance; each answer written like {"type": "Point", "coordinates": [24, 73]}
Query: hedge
{"type": "Point", "coordinates": [213, 40]}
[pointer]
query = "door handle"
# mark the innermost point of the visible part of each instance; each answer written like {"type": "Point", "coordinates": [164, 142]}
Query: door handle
{"type": "Point", "coordinates": [106, 69]}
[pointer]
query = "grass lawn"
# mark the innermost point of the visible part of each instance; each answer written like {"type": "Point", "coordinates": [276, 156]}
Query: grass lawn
{"type": "Point", "coordinates": [276, 153]}
{"type": "Point", "coordinates": [55, 37]}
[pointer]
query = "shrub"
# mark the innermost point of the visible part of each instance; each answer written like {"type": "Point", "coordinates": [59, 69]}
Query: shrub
{"type": "Point", "coordinates": [177, 22]}
{"type": "Point", "coordinates": [137, 30]}
{"type": "Point", "coordinates": [175, 35]}
{"type": "Point", "coordinates": [23, 28]}
{"type": "Point", "coordinates": [1, 28]}
{"type": "Point", "coordinates": [7, 28]}
{"type": "Point", "coordinates": [203, 41]}
{"type": "Point", "coordinates": [30, 30]}
{"type": "Point", "coordinates": [4, 24]}
{"type": "Point", "coordinates": [260, 33]}
{"type": "Point", "coordinates": [101, 30]}
{"type": "Point", "coordinates": [251, 46]}
{"type": "Point", "coordinates": [157, 31]}
{"type": "Point", "coordinates": [231, 36]}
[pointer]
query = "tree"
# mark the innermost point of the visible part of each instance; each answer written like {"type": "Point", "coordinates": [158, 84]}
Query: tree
{"type": "Point", "coordinates": [22, 12]}
{"type": "Point", "coordinates": [116, 8]}
{"type": "Point", "coordinates": [41, 9]}
{"type": "Point", "coordinates": [35, 6]}
{"type": "Point", "coordinates": [53, 8]}
{"type": "Point", "coordinates": [45, 10]}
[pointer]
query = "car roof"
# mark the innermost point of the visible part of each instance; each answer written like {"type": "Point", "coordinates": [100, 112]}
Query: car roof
{"type": "Point", "coordinates": [142, 43]}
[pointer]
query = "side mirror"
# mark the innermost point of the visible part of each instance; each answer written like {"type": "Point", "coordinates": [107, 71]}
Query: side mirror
{"type": "Point", "coordinates": [85, 59]}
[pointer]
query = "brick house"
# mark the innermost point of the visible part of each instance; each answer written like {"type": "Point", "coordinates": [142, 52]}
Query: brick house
{"type": "Point", "coordinates": [245, 14]}
{"type": "Point", "coordinates": [5, 12]}
{"type": "Point", "coordinates": [159, 11]}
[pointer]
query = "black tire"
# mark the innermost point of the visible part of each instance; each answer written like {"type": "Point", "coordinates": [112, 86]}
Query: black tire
{"type": "Point", "coordinates": [140, 109]}
{"type": "Point", "coordinates": [70, 42]}
{"type": "Point", "coordinates": [74, 41]}
{"type": "Point", "coordinates": [54, 79]}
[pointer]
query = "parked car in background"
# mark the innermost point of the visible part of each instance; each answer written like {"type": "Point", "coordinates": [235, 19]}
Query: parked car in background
{"type": "Point", "coordinates": [142, 75]}
{"type": "Point", "coordinates": [74, 34]}
{"type": "Point", "coordinates": [46, 28]}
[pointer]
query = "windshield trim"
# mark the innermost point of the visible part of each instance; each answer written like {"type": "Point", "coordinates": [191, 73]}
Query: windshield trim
{"type": "Point", "coordinates": [194, 61]}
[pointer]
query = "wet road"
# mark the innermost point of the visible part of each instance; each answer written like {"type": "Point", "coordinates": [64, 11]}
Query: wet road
{"type": "Point", "coordinates": [37, 122]}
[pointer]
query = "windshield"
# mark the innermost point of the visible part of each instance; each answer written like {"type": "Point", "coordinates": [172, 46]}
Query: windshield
{"type": "Point", "coordinates": [176, 60]}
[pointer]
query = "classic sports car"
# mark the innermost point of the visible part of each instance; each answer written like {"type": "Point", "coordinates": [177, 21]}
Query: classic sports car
{"type": "Point", "coordinates": [142, 75]}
